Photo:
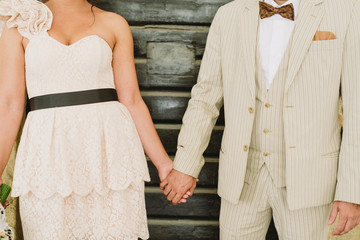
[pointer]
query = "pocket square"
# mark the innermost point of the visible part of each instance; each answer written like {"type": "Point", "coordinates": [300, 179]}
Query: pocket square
{"type": "Point", "coordinates": [324, 35]}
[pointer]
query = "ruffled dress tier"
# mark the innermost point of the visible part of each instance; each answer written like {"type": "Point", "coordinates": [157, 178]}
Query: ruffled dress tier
{"type": "Point", "coordinates": [80, 170]}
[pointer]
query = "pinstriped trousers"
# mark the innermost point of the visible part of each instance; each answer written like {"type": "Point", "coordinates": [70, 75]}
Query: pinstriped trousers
{"type": "Point", "coordinates": [259, 202]}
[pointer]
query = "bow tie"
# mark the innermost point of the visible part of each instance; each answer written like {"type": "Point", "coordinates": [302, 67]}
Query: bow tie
{"type": "Point", "coordinates": [287, 11]}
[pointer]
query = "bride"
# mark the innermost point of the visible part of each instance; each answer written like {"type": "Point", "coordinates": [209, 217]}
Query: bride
{"type": "Point", "coordinates": [80, 167]}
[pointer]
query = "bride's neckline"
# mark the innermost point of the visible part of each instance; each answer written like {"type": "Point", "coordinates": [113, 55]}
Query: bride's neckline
{"type": "Point", "coordinates": [73, 45]}
{"type": "Point", "coordinates": [77, 41]}
{"type": "Point", "coordinates": [80, 41]}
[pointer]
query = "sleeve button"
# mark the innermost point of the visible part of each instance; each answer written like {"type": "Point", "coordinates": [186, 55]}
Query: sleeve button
{"type": "Point", "coordinates": [246, 148]}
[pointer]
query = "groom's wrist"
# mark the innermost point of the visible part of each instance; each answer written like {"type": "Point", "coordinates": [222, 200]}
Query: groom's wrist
{"type": "Point", "coordinates": [194, 172]}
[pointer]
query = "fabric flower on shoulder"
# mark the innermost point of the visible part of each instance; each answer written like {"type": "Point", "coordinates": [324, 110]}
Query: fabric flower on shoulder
{"type": "Point", "coordinates": [31, 17]}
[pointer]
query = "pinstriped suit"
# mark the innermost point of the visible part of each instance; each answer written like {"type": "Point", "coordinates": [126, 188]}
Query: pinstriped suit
{"type": "Point", "coordinates": [320, 165]}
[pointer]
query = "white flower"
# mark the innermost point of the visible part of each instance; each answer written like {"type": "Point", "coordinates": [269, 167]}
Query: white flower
{"type": "Point", "coordinates": [4, 226]}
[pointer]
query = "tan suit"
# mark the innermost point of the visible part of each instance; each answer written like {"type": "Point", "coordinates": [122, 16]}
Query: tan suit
{"type": "Point", "coordinates": [320, 165]}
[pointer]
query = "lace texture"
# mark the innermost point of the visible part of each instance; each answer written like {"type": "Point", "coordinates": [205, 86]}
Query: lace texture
{"type": "Point", "coordinates": [79, 170]}
{"type": "Point", "coordinates": [31, 17]}
{"type": "Point", "coordinates": [114, 216]}
{"type": "Point", "coordinates": [77, 150]}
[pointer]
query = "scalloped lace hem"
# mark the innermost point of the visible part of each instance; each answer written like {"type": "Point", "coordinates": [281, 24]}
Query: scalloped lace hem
{"type": "Point", "coordinates": [103, 190]}
{"type": "Point", "coordinates": [119, 215]}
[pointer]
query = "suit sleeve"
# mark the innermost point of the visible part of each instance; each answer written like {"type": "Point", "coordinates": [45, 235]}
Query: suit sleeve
{"type": "Point", "coordinates": [203, 108]}
{"type": "Point", "coordinates": [348, 185]}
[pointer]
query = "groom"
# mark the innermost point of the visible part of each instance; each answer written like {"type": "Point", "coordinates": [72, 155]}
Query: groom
{"type": "Point", "coordinates": [279, 68]}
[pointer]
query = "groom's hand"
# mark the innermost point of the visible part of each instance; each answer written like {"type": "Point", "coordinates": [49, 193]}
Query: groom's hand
{"type": "Point", "coordinates": [178, 184]}
{"type": "Point", "coordinates": [349, 216]}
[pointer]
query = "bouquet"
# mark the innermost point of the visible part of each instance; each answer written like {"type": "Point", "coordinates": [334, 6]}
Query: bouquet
{"type": "Point", "coordinates": [6, 233]}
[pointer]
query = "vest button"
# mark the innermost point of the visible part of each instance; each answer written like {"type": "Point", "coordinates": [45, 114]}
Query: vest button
{"type": "Point", "coordinates": [266, 154]}
{"type": "Point", "coordinates": [251, 110]}
{"type": "Point", "coordinates": [266, 130]}
{"type": "Point", "coordinates": [267, 105]}
{"type": "Point", "coordinates": [246, 148]}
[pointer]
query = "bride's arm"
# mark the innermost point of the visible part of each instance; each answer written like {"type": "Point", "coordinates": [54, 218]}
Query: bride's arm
{"type": "Point", "coordinates": [129, 94]}
{"type": "Point", "coordinates": [12, 91]}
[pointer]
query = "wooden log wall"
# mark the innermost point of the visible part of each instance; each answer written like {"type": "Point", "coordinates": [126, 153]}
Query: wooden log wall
{"type": "Point", "coordinates": [169, 38]}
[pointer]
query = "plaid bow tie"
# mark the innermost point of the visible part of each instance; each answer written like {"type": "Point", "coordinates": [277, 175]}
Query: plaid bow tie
{"type": "Point", "coordinates": [287, 11]}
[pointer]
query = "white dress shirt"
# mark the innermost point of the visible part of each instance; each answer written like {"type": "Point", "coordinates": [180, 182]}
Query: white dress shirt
{"type": "Point", "coordinates": [274, 35]}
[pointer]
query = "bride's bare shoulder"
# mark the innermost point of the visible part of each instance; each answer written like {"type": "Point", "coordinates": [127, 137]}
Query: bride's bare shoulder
{"type": "Point", "coordinates": [112, 19]}
{"type": "Point", "coordinates": [117, 25]}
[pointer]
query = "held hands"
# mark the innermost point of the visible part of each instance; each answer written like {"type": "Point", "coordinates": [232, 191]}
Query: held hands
{"type": "Point", "coordinates": [349, 216]}
{"type": "Point", "coordinates": [178, 186]}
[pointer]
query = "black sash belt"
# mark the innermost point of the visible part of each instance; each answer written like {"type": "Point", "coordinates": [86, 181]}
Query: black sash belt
{"type": "Point", "coordinates": [73, 98]}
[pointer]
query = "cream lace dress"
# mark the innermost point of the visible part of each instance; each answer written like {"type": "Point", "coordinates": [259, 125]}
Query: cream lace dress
{"type": "Point", "coordinates": [80, 170]}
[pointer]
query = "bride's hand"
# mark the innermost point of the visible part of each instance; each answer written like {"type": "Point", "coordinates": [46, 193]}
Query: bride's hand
{"type": "Point", "coordinates": [165, 169]}
{"type": "Point", "coordinates": [187, 195]}
{"type": "Point", "coordinates": [6, 204]}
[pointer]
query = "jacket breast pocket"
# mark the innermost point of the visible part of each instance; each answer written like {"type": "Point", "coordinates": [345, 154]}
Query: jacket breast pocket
{"type": "Point", "coordinates": [325, 45]}
{"type": "Point", "coordinates": [322, 64]}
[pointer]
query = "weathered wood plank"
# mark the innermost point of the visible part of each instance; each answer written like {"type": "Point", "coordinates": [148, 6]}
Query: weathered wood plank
{"type": "Point", "coordinates": [168, 107]}
{"type": "Point", "coordinates": [163, 81]}
{"type": "Point", "coordinates": [208, 176]}
{"type": "Point", "coordinates": [204, 203]}
{"type": "Point", "coordinates": [195, 35]}
{"type": "Point", "coordinates": [169, 139]}
{"type": "Point", "coordinates": [165, 11]}
{"type": "Point", "coordinates": [170, 58]}
{"type": "Point", "coordinates": [183, 230]}
{"type": "Point", "coordinates": [191, 230]}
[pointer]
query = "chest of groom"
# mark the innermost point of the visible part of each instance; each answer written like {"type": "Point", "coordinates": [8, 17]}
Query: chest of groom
{"type": "Point", "coordinates": [293, 128]}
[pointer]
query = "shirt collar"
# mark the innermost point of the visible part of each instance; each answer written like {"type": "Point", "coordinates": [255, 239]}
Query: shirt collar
{"type": "Point", "coordinates": [296, 4]}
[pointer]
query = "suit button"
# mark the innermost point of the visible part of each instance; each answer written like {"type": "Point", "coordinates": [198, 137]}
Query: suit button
{"type": "Point", "coordinates": [267, 105]}
{"type": "Point", "coordinates": [246, 148]}
{"type": "Point", "coordinates": [251, 110]}
{"type": "Point", "coordinates": [266, 131]}
{"type": "Point", "coordinates": [266, 154]}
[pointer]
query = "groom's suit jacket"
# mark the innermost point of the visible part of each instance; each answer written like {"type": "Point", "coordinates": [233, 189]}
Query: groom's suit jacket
{"type": "Point", "coordinates": [320, 163]}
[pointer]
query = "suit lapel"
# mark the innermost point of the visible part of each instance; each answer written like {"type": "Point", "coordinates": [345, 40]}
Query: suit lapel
{"type": "Point", "coordinates": [248, 35]}
{"type": "Point", "coordinates": [310, 15]}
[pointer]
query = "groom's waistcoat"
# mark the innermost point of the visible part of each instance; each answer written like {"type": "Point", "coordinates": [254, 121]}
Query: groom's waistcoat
{"type": "Point", "coordinates": [267, 141]}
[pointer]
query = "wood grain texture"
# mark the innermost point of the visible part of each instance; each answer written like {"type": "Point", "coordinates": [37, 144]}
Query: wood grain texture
{"type": "Point", "coordinates": [203, 204]}
{"type": "Point", "coordinates": [164, 81]}
{"type": "Point", "coordinates": [165, 11]}
{"type": "Point", "coordinates": [154, 71]}
{"type": "Point", "coordinates": [183, 230]}
{"type": "Point", "coordinates": [167, 229]}
{"type": "Point", "coordinates": [169, 108]}
{"type": "Point", "coordinates": [195, 35]}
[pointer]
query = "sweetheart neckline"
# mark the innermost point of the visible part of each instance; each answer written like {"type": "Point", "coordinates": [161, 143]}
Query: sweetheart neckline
{"type": "Point", "coordinates": [80, 40]}
{"type": "Point", "coordinates": [76, 42]}
{"type": "Point", "coordinates": [73, 44]}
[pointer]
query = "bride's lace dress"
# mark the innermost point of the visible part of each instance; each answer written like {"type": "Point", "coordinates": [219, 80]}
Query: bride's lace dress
{"type": "Point", "coordinates": [80, 170]}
